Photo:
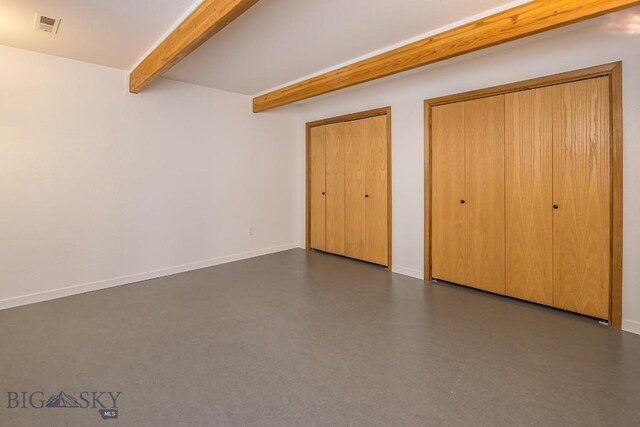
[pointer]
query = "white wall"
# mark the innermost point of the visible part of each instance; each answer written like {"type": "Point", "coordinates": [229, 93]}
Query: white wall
{"type": "Point", "coordinates": [583, 45]}
{"type": "Point", "coordinates": [100, 188]}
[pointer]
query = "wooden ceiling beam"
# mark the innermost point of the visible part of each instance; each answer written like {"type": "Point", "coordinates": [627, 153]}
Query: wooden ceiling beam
{"type": "Point", "coordinates": [203, 23]}
{"type": "Point", "coordinates": [515, 23]}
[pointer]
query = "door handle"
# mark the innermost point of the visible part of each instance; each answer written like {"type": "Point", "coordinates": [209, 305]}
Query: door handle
{"type": "Point", "coordinates": [556, 207]}
{"type": "Point", "coordinates": [462, 202]}
{"type": "Point", "coordinates": [323, 193]}
{"type": "Point", "coordinates": [366, 196]}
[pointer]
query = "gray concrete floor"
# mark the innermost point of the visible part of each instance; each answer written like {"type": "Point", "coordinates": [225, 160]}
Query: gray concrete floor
{"type": "Point", "coordinates": [302, 339]}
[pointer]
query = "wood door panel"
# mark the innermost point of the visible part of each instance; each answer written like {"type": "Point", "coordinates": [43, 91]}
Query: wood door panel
{"type": "Point", "coordinates": [485, 216]}
{"type": "Point", "coordinates": [529, 196]}
{"type": "Point", "coordinates": [448, 189]}
{"type": "Point", "coordinates": [581, 189]}
{"type": "Point", "coordinates": [376, 183]}
{"type": "Point", "coordinates": [317, 173]}
{"type": "Point", "coordinates": [355, 147]}
{"type": "Point", "coordinates": [335, 200]}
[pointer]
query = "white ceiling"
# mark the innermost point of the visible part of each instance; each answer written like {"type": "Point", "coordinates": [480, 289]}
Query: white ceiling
{"type": "Point", "coordinates": [115, 33]}
{"type": "Point", "coordinates": [273, 43]}
{"type": "Point", "coordinates": [278, 41]}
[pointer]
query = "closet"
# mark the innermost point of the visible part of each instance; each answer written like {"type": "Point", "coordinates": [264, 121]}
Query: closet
{"type": "Point", "coordinates": [521, 195]}
{"type": "Point", "coordinates": [348, 188]}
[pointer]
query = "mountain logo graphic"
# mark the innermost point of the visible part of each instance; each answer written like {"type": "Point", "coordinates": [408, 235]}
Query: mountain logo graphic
{"type": "Point", "coordinates": [62, 400]}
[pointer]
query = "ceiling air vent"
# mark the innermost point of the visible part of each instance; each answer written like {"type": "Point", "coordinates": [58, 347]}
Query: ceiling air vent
{"type": "Point", "coordinates": [47, 24]}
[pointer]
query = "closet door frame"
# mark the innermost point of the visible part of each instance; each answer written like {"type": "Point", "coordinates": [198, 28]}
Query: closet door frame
{"type": "Point", "coordinates": [613, 72]}
{"type": "Point", "coordinates": [384, 111]}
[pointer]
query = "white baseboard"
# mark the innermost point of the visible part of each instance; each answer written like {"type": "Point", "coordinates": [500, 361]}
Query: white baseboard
{"type": "Point", "coordinates": [126, 280]}
{"type": "Point", "coordinates": [631, 326]}
{"type": "Point", "coordinates": [417, 274]}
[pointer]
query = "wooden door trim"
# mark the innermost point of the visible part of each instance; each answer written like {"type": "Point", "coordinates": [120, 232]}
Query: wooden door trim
{"type": "Point", "coordinates": [615, 82]}
{"type": "Point", "coordinates": [613, 72]}
{"type": "Point", "coordinates": [384, 111]}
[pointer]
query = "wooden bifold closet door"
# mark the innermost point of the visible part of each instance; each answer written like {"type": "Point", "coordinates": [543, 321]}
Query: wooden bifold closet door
{"type": "Point", "coordinates": [529, 199]}
{"type": "Point", "coordinates": [349, 188]}
{"type": "Point", "coordinates": [558, 196]}
{"type": "Point", "coordinates": [448, 213]}
{"type": "Point", "coordinates": [355, 188]}
{"type": "Point", "coordinates": [376, 191]}
{"type": "Point", "coordinates": [582, 197]}
{"type": "Point", "coordinates": [468, 193]}
{"type": "Point", "coordinates": [366, 189]}
{"type": "Point", "coordinates": [335, 200]}
{"type": "Point", "coordinates": [484, 201]}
